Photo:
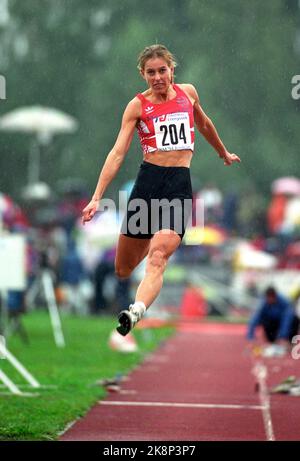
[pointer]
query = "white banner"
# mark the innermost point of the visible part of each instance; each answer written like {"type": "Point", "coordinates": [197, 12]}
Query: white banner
{"type": "Point", "coordinates": [12, 262]}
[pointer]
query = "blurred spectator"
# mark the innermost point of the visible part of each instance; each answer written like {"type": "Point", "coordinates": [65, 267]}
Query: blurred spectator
{"type": "Point", "coordinates": [15, 301]}
{"type": "Point", "coordinates": [15, 308]}
{"type": "Point", "coordinates": [276, 212]}
{"type": "Point", "coordinates": [292, 215]}
{"type": "Point", "coordinates": [289, 256]}
{"type": "Point", "coordinates": [230, 208]}
{"type": "Point", "coordinates": [212, 200]}
{"type": "Point", "coordinates": [276, 316]}
{"type": "Point", "coordinates": [295, 297]}
{"type": "Point", "coordinates": [193, 304]}
{"type": "Point", "coordinates": [104, 269]}
{"type": "Point", "coordinates": [71, 277]}
{"type": "Point", "coordinates": [72, 271]}
{"type": "Point", "coordinates": [251, 213]}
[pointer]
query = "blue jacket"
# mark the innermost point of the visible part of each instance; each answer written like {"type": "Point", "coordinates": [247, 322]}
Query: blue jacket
{"type": "Point", "coordinates": [281, 311]}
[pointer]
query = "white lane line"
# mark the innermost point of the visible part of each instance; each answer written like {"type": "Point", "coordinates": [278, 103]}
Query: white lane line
{"type": "Point", "coordinates": [157, 359]}
{"type": "Point", "coordinates": [26, 386]}
{"type": "Point", "coordinates": [127, 392]}
{"type": "Point", "coordinates": [260, 372]}
{"type": "Point", "coordinates": [149, 368]}
{"type": "Point", "coordinates": [68, 426]}
{"type": "Point", "coordinates": [179, 405]}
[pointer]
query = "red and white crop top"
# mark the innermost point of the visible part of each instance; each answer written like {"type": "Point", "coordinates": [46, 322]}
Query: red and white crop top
{"type": "Point", "coordinates": [168, 125]}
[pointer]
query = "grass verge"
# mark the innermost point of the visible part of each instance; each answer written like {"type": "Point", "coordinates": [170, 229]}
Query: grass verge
{"type": "Point", "coordinates": [74, 371]}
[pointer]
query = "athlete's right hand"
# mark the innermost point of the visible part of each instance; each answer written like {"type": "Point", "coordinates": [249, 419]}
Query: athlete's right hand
{"type": "Point", "coordinates": [89, 211]}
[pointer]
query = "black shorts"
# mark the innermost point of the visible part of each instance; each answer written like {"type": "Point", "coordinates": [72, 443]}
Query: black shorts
{"type": "Point", "coordinates": [161, 199]}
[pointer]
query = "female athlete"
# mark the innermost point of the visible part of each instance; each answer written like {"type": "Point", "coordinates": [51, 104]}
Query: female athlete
{"type": "Point", "coordinates": [164, 116]}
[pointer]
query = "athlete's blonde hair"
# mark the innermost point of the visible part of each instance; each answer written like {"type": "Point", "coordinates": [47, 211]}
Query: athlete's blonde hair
{"type": "Point", "coordinates": [156, 51]}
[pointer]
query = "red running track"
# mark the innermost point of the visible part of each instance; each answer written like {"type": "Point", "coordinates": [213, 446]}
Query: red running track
{"type": "Point", "coordinates": [199, 386]}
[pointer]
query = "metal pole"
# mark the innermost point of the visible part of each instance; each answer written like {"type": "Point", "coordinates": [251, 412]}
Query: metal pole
{"type": "Point", "coordinates": [33, 174]}
{"type": "Point", "coordinates": [53, 310]}
{"type": "Point", "coordinates": [9, 384]}
{"type": "Point", "coordinates": [3, 312]}
{"type": "Point", "coordinates": [16, 364]}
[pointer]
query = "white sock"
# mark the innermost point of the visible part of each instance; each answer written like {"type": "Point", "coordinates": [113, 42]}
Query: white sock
{"type": "Point", "coordinates": [139, 306]}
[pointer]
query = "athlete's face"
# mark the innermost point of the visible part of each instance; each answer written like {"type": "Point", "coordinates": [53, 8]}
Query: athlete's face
{"type": "Point", "coordinates": [158, 74]}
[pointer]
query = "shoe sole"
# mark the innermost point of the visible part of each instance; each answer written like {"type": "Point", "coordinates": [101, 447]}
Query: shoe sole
{"type": "Point", "coordinates": [125, 324]}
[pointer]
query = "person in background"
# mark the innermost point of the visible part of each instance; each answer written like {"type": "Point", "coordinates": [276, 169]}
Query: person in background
{"type": "Point", "coordinates": [105, 268]}
{"type": "Point", "coordinates": [295, 297]}
{"type": "Point", "coordinates": [71, 274]}
{"type": "Point", "coordinates": [276, 316]}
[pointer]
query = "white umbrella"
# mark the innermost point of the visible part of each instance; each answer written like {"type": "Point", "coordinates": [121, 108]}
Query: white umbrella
{"type": "Point", "coordinates": [248, 257]}
{"type": "Point", "coordinates": [39, 120]}
{"type": "Point", "coordinates": [44, 122]}
{"type": "Point", "coordinates": [39, 191]}
{"type": "Point", "coordinates": [286, 185]}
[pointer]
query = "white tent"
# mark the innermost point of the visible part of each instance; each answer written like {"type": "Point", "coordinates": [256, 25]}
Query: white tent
{"type": "Point", "coordinates": [44, 123]}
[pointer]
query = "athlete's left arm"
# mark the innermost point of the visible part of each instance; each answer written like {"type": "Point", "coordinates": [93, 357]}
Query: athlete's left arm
{"type": "Point", "coordinates": [207, 128]}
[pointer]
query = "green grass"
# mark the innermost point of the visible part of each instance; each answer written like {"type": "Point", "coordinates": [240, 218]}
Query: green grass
{"type": "Point", "coordinates": [73, 369]}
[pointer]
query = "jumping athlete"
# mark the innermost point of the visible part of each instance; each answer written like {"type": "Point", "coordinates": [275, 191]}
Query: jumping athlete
{"type": "Point", "coordinates": [164, 116]}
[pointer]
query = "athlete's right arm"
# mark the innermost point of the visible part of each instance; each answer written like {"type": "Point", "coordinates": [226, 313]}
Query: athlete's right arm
{"type": "Point", "coordinates": [115, 157]}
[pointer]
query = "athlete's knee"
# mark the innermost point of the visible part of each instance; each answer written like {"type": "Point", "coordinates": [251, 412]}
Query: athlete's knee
{"type": "Point", "coordinates": [123, 272]}
{"type": "Point", "coordinates": [157, 258]}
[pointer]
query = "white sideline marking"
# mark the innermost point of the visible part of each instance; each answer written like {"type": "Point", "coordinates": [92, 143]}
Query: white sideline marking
{"type": "Point", "coordinates": [23, 394]}
{"type": "Point", "coordinates": [53, 310]}
{"type": "Point", "coordinates": [179, 405]}
{"type": "Point", "coordinates": [260, 372]}
{"type": "Point", "coordinates": [157, 359]}
{"type": "Point", "coordinates": [21, 369]}
{"type": "Point", "coordinates": [26, 386]}
{"type": "Point", "coordinates": [149, 368]}
{"type": "Point", "coordinates": [68, 426]}
{"type": "Point", "coordinates": [9, 384]}
{"type": "Point", "coordinates": [127, 392]}
{"type": "Point", "coordinates": [3, 343]}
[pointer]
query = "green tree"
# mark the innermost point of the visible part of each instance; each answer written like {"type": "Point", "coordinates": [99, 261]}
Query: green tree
{"type": "Point", "coordinates": [81, 58]}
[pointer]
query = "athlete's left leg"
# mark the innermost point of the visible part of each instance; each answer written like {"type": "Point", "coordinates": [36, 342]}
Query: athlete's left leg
{"type": "Point", "coordinates": [162, 246]}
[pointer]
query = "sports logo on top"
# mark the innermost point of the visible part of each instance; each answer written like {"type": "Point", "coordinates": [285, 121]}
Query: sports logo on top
{"type": "Point", "coordinates": [149, 109]}
{"type": "Point", "coordinates": [172, 131]}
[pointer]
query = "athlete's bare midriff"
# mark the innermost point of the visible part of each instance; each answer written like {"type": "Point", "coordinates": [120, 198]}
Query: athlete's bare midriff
{"type": "Point", "coordinates": [170, 158]}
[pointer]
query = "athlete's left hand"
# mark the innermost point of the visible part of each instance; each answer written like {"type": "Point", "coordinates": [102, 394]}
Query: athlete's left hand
{"type": "Point", "coordinates": [230, 158]}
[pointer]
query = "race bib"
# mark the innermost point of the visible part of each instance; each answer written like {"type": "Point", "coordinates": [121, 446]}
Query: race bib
{"type": "Point", "coordinates": [173, 132]}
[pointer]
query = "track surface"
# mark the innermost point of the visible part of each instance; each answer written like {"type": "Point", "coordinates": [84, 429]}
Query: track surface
{"type": "Point", "coordinates": [198, 386]}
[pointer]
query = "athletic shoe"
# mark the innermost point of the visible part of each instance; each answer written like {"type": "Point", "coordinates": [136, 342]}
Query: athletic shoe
{"type": "Point", "coordinates": [128, 319]}
{"type": "Point", "coordinates": [120, 343]}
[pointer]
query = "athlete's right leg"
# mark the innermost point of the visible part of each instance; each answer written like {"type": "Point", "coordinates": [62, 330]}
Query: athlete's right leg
{"type": "Point", "coordinates": [130, 252]}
